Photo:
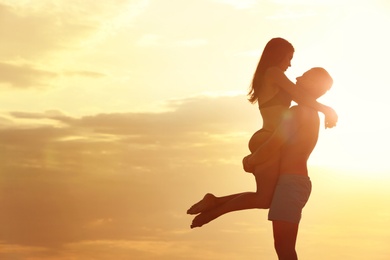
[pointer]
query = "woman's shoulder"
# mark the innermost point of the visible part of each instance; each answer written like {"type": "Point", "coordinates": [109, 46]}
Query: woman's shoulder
{"type": "Point", "coordinates": [273, 74]}
{"type": "Point", "coordinates": [273, 71]}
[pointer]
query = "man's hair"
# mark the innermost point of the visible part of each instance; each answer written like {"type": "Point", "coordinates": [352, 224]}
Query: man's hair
{"type": "Point", "coordinates": [323, 77]}
{"type": "Point", "coordinates": [322, 82]}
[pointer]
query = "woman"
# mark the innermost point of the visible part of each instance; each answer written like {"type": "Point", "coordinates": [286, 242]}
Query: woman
{"type": "Point", "coordinates": [273, 92]}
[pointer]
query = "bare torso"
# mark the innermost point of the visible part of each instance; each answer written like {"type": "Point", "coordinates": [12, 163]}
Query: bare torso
{"type": "Point", "coordinates": [296, 151]}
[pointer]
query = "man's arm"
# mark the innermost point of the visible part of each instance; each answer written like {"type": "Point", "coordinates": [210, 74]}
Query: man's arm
{"type": "Point", "coordinates": [288, 127]}
{"type": "Point", "coordinates": [301, 97]}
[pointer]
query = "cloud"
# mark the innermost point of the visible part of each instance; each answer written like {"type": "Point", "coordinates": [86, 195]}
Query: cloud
{"type": "Point", "coordinates": [23, 76]}
{"type": "Point", "coordinates": [30, 31]}
{"type": "Point", "coordinates": [182, 118]}
{"type": "Point", "coordinates": [50, 114]}
{"type": "Point", "coordinates": [116, 185]}
{"type": "Point", "coordinates": [11, 251]}
{"type": "Point", "coordinates": [27, 76]}
{"type": "Point", "coordinates": [36, 37]}
{"type": "Point", "coordinates": [38, 32]}
{"type": "Point", "coordinates": [99, 177]}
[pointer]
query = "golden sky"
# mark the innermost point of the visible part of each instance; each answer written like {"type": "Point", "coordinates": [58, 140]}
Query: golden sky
{"type": "Point", "coordinates": [116, 116]}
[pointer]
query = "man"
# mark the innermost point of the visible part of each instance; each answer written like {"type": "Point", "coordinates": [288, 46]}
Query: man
{"type": "Point", "coordinates": [296, 138]}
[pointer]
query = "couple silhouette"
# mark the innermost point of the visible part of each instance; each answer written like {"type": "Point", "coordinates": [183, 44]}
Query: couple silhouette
{"type": "Point", "coordinates": [280, 149]}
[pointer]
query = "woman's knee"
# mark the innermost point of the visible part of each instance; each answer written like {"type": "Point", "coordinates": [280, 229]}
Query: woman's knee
{"type": "Point", "coordinates": [258, 139]}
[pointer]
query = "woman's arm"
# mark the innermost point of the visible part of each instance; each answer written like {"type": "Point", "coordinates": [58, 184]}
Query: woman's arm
{"type": "Point", "coordinates": [301, 97]}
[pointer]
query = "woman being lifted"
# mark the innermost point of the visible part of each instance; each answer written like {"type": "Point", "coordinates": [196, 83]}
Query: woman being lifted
{"type": "Point", "coordinates": [273, 92]}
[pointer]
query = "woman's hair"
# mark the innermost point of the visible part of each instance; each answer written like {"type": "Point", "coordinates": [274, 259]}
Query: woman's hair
{"type": "Point", "coordinates": [274, 52]}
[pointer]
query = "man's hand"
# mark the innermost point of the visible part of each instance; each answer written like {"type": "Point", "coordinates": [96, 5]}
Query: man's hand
{"type": "Point", "coordinates": [247, 166]}
{"type": "Point", "coordinates": [331, 117]}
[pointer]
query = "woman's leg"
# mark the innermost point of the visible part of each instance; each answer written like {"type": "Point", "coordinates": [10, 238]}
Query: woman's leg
{"type": "Point", "coordinates": [257, 139]}
{"type": "Point", "coordinates": [266, 178]}
{"type": "Point", "coordinates": [209, 202]}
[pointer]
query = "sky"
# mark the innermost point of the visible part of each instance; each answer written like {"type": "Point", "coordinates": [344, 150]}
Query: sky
{"type": "Point", "coordinates": [116, 116]}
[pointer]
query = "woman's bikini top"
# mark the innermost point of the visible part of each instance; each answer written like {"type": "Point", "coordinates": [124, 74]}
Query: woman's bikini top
{"type": "Point", "coordinates": [282, 98]}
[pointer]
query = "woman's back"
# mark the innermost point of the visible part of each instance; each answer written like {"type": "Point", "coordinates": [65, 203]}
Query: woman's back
{"type": "Point", "coordinates": [273, 103]}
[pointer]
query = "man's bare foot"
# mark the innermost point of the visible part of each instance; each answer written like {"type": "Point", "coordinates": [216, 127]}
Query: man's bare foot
{"type": "Point", "coordinates": [207, 203]}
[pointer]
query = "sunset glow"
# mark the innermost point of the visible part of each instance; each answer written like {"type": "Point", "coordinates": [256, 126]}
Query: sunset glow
{"type": "Point", "coordinates": [116, 116]}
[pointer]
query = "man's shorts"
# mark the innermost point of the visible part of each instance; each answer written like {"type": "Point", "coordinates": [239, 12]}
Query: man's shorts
{"type": "Point", "coordinates": [291, 194]}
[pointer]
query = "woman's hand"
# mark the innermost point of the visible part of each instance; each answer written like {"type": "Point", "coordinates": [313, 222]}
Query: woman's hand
{"type": "Point", "coordinates": [247, 166]}
{"type": "Point", "coordinates": [331, 117]}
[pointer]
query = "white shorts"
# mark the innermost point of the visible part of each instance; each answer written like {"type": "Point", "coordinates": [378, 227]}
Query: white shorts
{"type": "Point", "coordinates": [291, 194]}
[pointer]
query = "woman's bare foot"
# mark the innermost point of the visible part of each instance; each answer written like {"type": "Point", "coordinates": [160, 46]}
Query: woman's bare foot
{"type": "Point", "coordinates": [202, 219]}
{"type": "Point", "coordinates": [207, 203]}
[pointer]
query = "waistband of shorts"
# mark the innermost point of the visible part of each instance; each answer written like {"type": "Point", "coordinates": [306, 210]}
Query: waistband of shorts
{"type": "Point", "coordinates": [288, 176]}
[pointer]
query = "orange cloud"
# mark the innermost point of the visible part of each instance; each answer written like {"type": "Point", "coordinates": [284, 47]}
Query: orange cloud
{"type": "Point", "coordinates": [107, 176]}
{"type": "Point", "coordinates": [23, 76]}
{"type": "Point", "coordinates": [37, 32]}
{"type": "Point", "coordinates": [117, 185]}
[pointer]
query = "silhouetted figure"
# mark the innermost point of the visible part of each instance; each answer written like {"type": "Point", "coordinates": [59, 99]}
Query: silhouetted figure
{"type": "Point", "coordinates": [296, 138]}
{"type": "Point", "coordinates": [273, 92]}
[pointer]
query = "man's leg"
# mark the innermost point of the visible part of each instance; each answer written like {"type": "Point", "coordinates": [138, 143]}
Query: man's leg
{"type": "Point", "coordinates": [285, 237]}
